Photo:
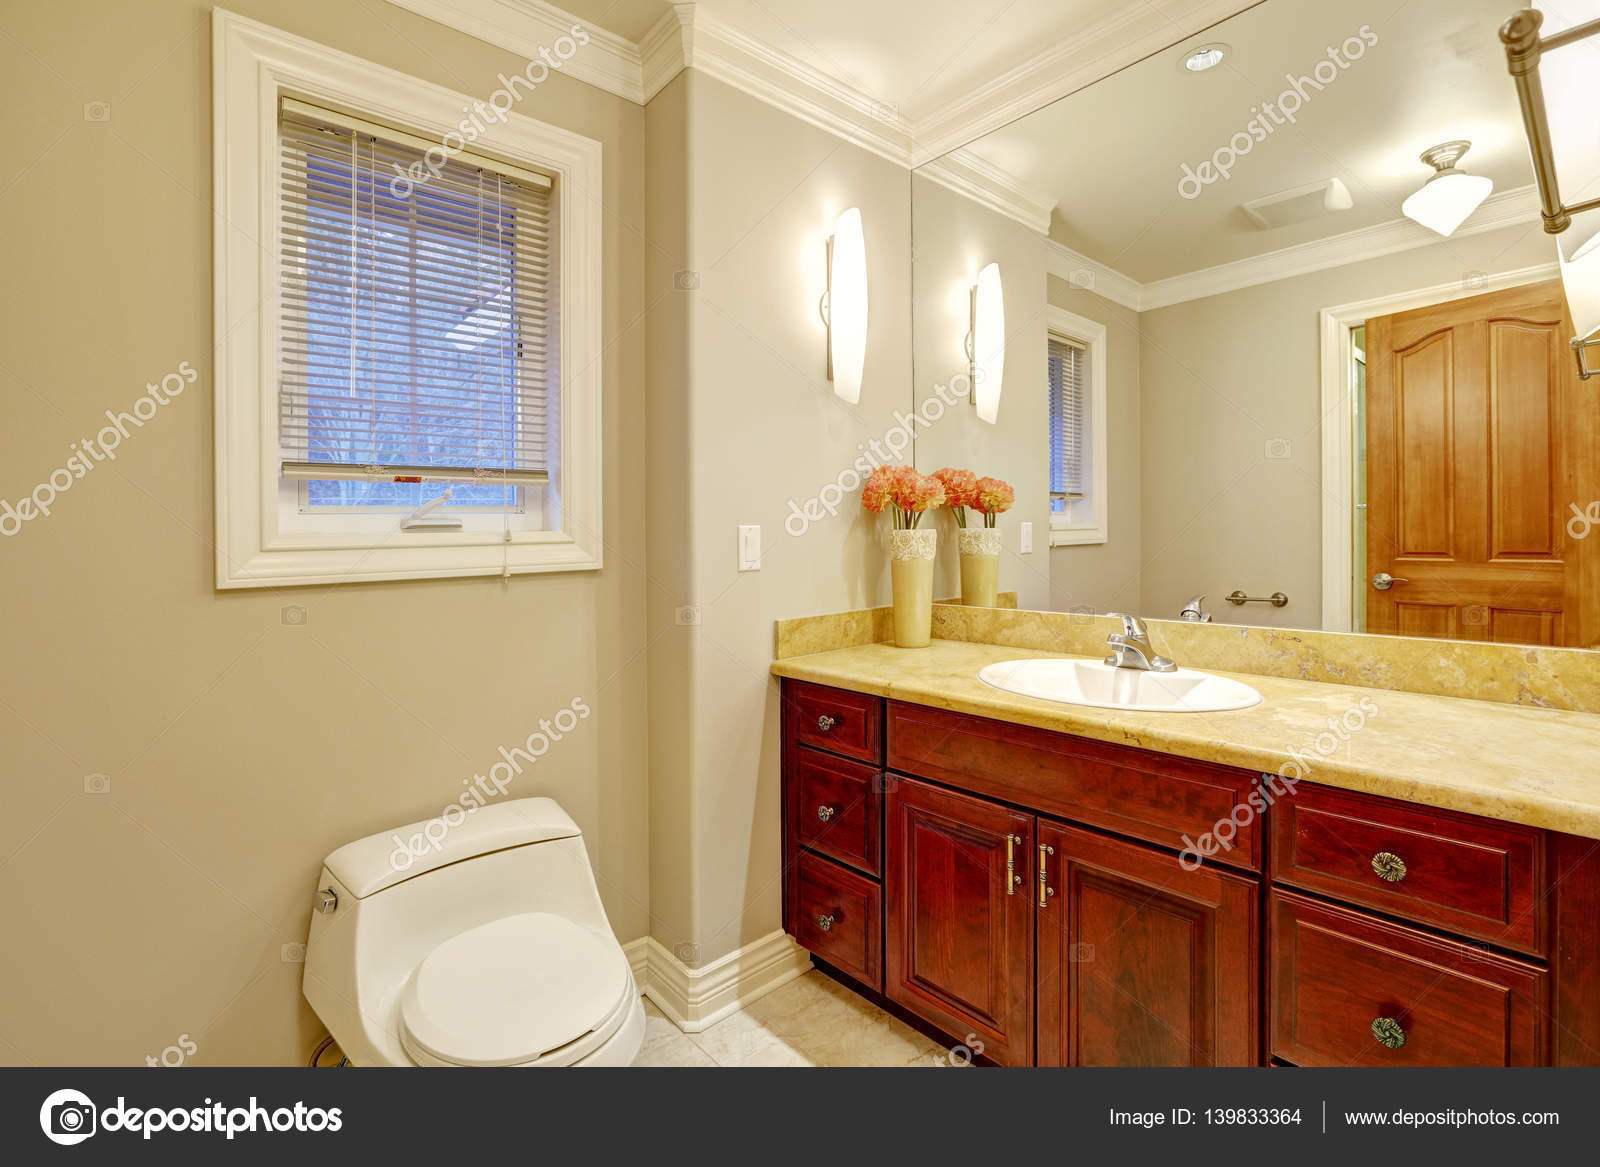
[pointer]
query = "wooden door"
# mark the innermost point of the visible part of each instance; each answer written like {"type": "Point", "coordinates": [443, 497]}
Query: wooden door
{"type": "Point", "coordinates": [960, 938]}
{"type": "Point", "coordinates": [1479, 442]}
{"type": "Point", "coordinates": [1143, 963]}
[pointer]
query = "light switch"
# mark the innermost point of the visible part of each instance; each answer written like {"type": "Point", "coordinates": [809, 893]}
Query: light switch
{"type": "Point", "coordinates": [750, 547]}
{"type": "Point", "coordinates": [1027, 538]}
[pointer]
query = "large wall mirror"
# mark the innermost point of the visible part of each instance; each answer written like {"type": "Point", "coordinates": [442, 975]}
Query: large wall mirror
{"type": "Point", "coordinates": [1256, 346]}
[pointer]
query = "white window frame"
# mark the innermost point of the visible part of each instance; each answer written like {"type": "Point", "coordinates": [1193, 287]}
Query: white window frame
{"type": "Point", "coordinates": [1089, 524]}
{"type": "Point", "coordinates": [261, 540]}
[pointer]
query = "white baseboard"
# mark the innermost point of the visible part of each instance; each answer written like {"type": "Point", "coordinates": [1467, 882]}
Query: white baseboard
{"type": "Point", "coordinates": [695, 998]}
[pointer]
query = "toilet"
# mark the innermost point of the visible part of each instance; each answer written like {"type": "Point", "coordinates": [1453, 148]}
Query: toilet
{"type": "Point", "coordinates": [471, 940]}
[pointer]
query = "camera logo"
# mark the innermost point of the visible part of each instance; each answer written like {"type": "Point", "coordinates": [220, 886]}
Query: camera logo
{"type": "Point", "coordinates": [67, 1117]}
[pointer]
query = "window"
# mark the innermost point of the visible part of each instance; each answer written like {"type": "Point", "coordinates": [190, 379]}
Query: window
{"type": "Point", "coordinates": [415, 345]}
{"type": "Point", "coordinates": [426, 327]}
{"type": "Point", "coordinates": [1076, 377]}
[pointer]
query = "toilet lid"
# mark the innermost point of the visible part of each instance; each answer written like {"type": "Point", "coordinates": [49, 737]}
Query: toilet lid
{"type": "Point", "coordinates": [510, 990]}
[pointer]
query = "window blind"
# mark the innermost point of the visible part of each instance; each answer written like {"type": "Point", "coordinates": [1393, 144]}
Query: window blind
{"type": "Point", "coordinates": [1069, 421]}
{"type": "Point", "coordinates": [418, 337]}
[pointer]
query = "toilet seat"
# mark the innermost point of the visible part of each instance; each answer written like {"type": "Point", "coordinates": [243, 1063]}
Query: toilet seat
{"type": "Point", "coordinates": [528, 989]}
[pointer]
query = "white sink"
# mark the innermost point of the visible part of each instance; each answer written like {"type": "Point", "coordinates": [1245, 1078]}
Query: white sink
{"type": "Point", "coordinates": [1089, 682]}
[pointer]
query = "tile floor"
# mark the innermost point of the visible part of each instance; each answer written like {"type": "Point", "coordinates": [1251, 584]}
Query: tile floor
{"type": "Point", "coordinates": [811, 1021]}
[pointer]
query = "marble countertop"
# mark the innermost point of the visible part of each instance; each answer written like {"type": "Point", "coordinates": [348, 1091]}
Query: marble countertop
{"type": "Point", "coordinates": [1540, 767]}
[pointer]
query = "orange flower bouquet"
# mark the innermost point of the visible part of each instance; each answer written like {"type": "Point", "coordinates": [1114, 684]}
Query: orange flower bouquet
{"type": "Point", "coordinates": [993, 498]}
{"type": "Point", "coordinates": [908, 496]}
{"type": "Point", "coordinates": [960, 491]}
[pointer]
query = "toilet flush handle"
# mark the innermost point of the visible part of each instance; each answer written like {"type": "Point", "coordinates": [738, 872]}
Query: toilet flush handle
{"type": "Point", "coordinates": [326, 901]}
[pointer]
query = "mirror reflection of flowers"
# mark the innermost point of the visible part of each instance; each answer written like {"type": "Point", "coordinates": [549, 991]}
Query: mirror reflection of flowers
{"type": "Point", "coordinates": [994, 498]}
{"type": "Point", "coordinates": [960, 491]}
{"type": "Point", "coordinates": [907, 494]}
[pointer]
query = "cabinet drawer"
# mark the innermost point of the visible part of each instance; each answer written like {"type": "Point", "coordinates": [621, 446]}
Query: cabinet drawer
{"type": "Point", "coordinates": [837, 914]}
{"type": "Point", "coordinates": [834, 719]}
{"type": "Point", "coordinates": [835, 807]}
{"type": "Point", "coordinates": [1172, 802]}
{"type": "Point", "coordinates": [1343, 980]}
{"type": "Point", "coordinates": [1474, 876]}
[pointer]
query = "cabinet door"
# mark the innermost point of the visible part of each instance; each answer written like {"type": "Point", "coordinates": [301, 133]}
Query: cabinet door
{"type": "Point", "coordinates": [1141, 962]}
{"type": "Point", "coordinates": [960, 940]}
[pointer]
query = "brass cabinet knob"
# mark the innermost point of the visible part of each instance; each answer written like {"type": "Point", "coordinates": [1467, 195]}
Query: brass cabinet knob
{"type": "Point", "coordinates": [1388, 1032]}
{"type": "Point", "coordinates": [1389, 867]}
{"type": "Point", "coordinates": [825, 813]}
{"type": "Point", "coordinates": [826, 723]}
{"type": "Point", "coordinates": [826, 924]}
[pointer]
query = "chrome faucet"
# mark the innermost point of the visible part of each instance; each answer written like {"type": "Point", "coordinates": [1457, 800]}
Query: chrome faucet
{"type": "Point", "coordinates": [1194, 611]}
{"type": "Point", "coordinates": [1131, 648]}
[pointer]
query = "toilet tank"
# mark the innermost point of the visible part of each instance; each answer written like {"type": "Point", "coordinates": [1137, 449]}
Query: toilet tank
{"type": "Point", "coordinates": [400, 893]}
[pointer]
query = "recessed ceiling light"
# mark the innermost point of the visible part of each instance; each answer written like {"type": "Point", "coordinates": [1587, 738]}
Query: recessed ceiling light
{"type": "Point", "coordinates": [1205, 57]}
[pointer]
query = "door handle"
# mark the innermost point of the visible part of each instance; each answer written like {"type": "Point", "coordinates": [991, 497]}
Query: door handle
{"type": "Point", "coordinates": [1045, 890]}
{"type": "Point", "coordinates": [1383, 581]}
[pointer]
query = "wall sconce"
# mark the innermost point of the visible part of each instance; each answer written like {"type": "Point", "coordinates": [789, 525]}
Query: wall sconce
{"type": "Point", "coordinates": [844, 305]}
{"type": "Point", "coordinates": [986, 343]}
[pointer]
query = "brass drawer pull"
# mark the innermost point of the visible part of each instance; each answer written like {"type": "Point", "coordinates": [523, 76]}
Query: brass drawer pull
{"type": "Point", "coordinates": [825, 813]}
{"type": "Point", "coordinates": [1012, 878]}
{"type": "Point", "coordinates": [1389, 867]}
{"type": "Point", "coordinates": [1045, 891]}
{"type": "Point", "coordinates": [826, 924]}
{"type": "Point", "coordinates": [1388, 1032]}
{"type": "Point", "coordinates": [826, 723]}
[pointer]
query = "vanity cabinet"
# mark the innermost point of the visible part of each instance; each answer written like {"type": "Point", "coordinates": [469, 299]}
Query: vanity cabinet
{"type": "Point", "coordinates": [1067, 902]}
{"type": "Point", "coordinates": [1141, 962]}
{"type": "Point", "coordinates": [960, 938]}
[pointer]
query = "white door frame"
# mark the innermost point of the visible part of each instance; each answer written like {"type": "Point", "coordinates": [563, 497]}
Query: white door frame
{"type": "Point", "coordinates": [1338, 422]}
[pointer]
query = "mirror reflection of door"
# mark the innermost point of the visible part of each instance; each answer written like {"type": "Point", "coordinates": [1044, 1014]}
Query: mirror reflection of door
{"type": "Point", "coordinates": [1479, 441]}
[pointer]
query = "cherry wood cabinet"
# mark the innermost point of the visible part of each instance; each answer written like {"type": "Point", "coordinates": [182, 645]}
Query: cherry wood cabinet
{"type": "Point", "coordinates": [1057, 901]}
{"type": "Point", "coordinates": [1142, 962]}
{"type": "Point", "coordinates": [1353, 990]}
{"type": "Point", "coordinates": [960, 938]}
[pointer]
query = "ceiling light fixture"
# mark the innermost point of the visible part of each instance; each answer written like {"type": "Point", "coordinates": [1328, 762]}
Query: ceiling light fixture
{"type": "Point", "coordinates": [1205, 57]}
{"type": "Point", "coordinates": [1447, 198]}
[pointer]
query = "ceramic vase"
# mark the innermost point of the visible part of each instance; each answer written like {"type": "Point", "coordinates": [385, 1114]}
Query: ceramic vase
{"type": "Point", "coordinates": [911, 556]}
{"type": "Point", "coordinates": [980, 565]}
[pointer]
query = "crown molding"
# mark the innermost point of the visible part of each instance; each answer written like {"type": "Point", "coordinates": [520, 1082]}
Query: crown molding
{"type": "Point", "coordinates": [607, 62]}
{"type": "Point", "coordinates": [719, 50]}
{"type": "Point", "coordinates": [972, 177]}
{"type": "Point", "coordinates": [688, 36]}
{"type": "Point", "coordinates": [1509, 208]}
{"type": "Point", "coordinates": [661, 53]}
{"type": "Point", "coordinates": [1096, 51]}
{"type": "Point", "coordinates": [1091, 275]}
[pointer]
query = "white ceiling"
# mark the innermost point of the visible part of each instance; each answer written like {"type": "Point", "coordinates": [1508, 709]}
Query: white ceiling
{"type": "Point", "coordinates": [1110, 155]}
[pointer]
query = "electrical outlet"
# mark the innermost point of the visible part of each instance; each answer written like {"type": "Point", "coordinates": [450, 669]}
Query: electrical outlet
{"type": "Point", "coordinates": [1027, 538]}
{"type": "Point", "coordinates": [750, 547]}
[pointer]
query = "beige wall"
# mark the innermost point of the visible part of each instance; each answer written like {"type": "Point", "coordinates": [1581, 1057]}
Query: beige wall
{"type": "Point", "coordinates": [1224, 376]}
{"type": "Point", "coordinates": [749, 404]}
{"type": "Point", "coordinates": [1104, 577]}
{"type": "Point", "coordinates": [240, 749]}
{"type": "Point", "coordinates": [955, 238]}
